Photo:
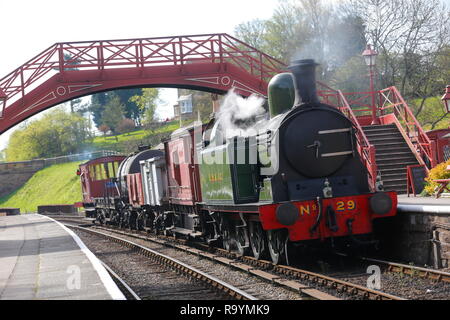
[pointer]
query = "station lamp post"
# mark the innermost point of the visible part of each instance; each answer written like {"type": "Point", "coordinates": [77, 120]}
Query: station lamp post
{"type": "Point", "coordinates": [2, 102]}
{"type": "Point", "coordinates": [446, 99]}
{"type": "Point", "coordinates": [370, 57]}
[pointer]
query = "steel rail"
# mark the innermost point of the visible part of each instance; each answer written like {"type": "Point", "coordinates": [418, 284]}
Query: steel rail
{"type": "Point", "coordinates": [175, 265]}
{"type": "Point", "coordinates": [123, 286]}
{"type": "Point", "coordinates": [421, 272]}
{"type": "Point", "coordinates": [337, 284]}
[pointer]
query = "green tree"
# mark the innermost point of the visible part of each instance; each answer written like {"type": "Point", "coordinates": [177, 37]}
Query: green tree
{"type": "Point", "coordinates": [253, 33]}
{"type": "Point", "coordinates": [57, 133]}
{"type": "Point", "coordinates": [432, 115]}
{"type": "Point", "coordinates": [132, 110]}
{"type": "Point", "coordinates": [146, 101]}
{"type": "Point", "coordinates": [113, 113]}
{"type": "Point", "coordinates": [97, 106]}
{"type": "Point", "coordinates": [101, 99]}
{"type": "Point", "coordinates": [300, 29]}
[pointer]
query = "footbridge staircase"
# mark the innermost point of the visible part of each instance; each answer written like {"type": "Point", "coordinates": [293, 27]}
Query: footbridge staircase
{"type": "Point", "coordinates": [395, 142]}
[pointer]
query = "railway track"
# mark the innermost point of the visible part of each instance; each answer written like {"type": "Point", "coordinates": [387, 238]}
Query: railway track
{"type": "Point", "coordinates": [410, 270]}
{"type": "Point", "coordinates": [414, 271]}
{"type": "Point", "coordinates": [174, 264]}
{"type": "Point", "coordinates": [310, 284]}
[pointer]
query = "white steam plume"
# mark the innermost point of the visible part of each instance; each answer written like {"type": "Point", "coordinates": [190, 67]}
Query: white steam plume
{"type": "Point", "coordinates": [237, 114]}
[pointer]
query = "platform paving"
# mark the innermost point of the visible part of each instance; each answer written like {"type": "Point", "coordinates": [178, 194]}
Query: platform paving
{"type": "Point", "coordinates": [41, 259]}
{"type": "Point", "coordinates": [404, 199]}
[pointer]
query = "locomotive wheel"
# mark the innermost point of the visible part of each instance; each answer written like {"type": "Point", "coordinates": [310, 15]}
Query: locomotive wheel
{"type": "Point", "coordinates": [225, 232]}
{"type": "Point", "coordinates": [242, 240]}
{"type": "Point", "coordinates": [276, 240]}
{"type": "Point", "coordinates": [258, 241]}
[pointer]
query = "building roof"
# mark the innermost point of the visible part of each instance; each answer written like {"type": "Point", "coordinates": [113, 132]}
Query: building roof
{"type": "Point", "coordinates": [184, 98]}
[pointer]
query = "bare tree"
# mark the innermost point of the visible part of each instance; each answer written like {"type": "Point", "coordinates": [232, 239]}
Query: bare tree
{"type": "Point", "coordinates": [409, 35]}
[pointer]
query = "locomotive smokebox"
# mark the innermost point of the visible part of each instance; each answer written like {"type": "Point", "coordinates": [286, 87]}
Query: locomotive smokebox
{"type": "Point", "coordinates": [304, 72]}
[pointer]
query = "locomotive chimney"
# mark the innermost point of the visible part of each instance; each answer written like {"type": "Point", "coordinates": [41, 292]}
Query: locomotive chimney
{"type": "Point", "coordinates": [304, 72]}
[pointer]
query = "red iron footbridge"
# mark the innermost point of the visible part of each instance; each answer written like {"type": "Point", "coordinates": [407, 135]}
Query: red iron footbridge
{"type": "Point", "coordinates": [64, 71]}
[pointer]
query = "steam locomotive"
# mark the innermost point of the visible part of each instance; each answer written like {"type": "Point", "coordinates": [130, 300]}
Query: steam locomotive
{"type": "Point", "coordinates": [296, 178]}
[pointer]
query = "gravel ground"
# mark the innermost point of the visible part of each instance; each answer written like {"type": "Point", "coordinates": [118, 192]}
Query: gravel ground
{"type": "Point", "coordinates": [408, 287]}
{"type": "Point", "coordinates": [145, 279]}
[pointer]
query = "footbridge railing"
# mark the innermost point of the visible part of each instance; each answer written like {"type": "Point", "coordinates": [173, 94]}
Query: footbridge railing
{"type": "Point", "coordinates": [394, 109]}
{"type": "Point", "coordinates": [365, 149]}
{"type": "Point", "coordinates": [104, 55]}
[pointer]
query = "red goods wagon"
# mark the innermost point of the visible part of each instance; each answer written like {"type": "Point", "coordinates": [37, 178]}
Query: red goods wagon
{"type": "Point", "coordinates": [183, 173]}
{"type": "Point", "coordinates": [135, 190]}
{"type": "Point", "coordinates": [95, 178]}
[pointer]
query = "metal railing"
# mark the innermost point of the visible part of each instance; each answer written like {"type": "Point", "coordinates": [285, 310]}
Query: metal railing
{"type": "Point", "coordinates": [137, 53]}
{"type": "Point", "coordinates": [62, 159]}
{"type": "Point", "coordinates": [366, 150]}
{"type": "Point", "coordinates": [391, 102]}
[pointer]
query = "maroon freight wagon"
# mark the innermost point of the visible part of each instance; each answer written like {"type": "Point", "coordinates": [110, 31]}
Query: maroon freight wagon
{"type": "Point", "coordinates": [96, 178]}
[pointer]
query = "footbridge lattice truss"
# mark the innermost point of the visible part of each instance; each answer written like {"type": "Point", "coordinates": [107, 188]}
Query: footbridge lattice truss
{"type": "Point", "coordinates": [64, 71]}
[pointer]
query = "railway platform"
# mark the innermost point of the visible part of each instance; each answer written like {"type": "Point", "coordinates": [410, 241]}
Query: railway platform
{"type": "Point", "coordinates": [41, 259]}
{"type": "Point", "coordinates": [423, 204]}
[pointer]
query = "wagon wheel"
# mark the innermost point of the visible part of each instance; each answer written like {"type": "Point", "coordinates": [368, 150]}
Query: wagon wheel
{"type": "Point", "coordinates": [132, 219]}
{"type": "Point", "coordinates": [258, 240]}
{"type": "Point", "coordinates": [225, 232]}
{"type": "Point", "coordinates": [121, 221]}
{"type": "Point", "coordinates": [140, 221]}
{"type": "Point", "coordinates": [276, 240]}
{"type": "Point", "coordinates": [123, 218]}
{"type": "Point", "coordinates": [101, 217]}
{"type": "Point", "coordinates": [242, 240]}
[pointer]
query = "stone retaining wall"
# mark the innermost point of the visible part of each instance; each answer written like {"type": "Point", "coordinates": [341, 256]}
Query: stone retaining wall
{"type": "Point", "coordinates": [420, 238]}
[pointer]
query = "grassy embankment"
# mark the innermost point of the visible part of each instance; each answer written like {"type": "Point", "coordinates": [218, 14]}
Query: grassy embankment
{"type": "Point", "coordinates": [128, 142]}
{"type": "Point", "coordinates": [57, 184]}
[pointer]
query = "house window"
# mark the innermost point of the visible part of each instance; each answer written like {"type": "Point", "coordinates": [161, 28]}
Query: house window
{"type": "Point", "coordinates": [185, 103]}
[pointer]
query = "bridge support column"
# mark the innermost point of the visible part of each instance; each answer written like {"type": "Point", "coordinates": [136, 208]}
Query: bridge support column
{"type": "Point", "coordinates": [215, 102]}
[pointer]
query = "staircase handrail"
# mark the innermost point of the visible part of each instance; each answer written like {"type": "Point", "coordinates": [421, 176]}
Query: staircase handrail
{"type": "Point", "coordinates": [367, 149]}
{"type": "Point", "coordinates": [390, 98]}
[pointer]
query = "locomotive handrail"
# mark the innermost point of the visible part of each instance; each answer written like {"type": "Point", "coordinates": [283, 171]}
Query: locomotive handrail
{"type": "Point", "coordinates": [101, 55]}
{"type": "Point", "coordinates": [391, 99]}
